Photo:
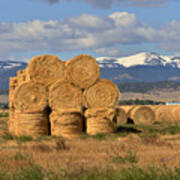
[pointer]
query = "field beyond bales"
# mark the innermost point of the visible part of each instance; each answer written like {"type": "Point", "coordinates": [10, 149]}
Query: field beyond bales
{"type": "Point", "coordinates": [134, 152]}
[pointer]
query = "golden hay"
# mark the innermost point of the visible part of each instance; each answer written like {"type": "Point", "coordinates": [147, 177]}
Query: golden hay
{"type": "Point", "coordinates": [141, 115]}
{"type": "Point", "coordinates": [167, 113]}
{"type": "Point", "coordinates": [29, 124]}
{"type": "Point", "coordinates": [67, 124]}
{"type": "Point", "coordinates": [22, 76]}
{"type": "Point", "coordinates": [46, 69]}
{"type": "Point", "coordinates": [175, 114]}
{"type": "Point", "coordinates": [101, 95]}
{"type": "Point", "coordinates": [13, 83]}
{"type": "Point", "coordinates": [11, 126]}
{"type": "Point", "coordinates": [121, 117]}
{"type": "Point", "coordinates": [100, 120]}
{"type": "Point", "coordinates": [64, 95]}
{"type": "Point", "coordinates": [31, 97]}
{"type": "Point", "coordinates": [83, 71]}
{"type": "Point", "coordinates": [127, 108]}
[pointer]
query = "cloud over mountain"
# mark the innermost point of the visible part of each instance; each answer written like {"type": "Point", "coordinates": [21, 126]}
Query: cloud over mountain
{"type": "Point", "coordinates": [86, 32]}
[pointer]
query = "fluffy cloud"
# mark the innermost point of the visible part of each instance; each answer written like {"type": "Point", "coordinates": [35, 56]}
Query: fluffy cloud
{"type": "Point", "coordinates": [86, 32]}
{"type": "Point", "coordinates": [105, 4]}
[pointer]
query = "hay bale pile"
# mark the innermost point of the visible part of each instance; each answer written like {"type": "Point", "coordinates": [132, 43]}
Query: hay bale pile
{"type": "Point", "coordinates": [49, 97]}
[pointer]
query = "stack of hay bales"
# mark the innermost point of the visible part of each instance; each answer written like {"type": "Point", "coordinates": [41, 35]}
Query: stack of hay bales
{"type": "Point", "coordinates": [101, 100]}
{"type": "Point", "coordinates": [30, 102]}
{"type": "Point", "coordinates": [65, 88]}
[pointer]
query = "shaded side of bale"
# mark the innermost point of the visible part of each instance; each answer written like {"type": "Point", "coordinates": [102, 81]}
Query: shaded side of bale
{"type": "Point", "coordinates": [46, 69]}
{"type": "Point", "coordinates": [31, 124]}
{"type": "Point", "coordinates": [126, 108]}
{"type": "Point", "coordinates": [121, 117]}
{"type": "Point", "coordinates": [66, 124]}
{"type": "Point", "coordinates": [83, 71]}
{"type": "Point", "coordinates": [100, 120]}
{"type": "Point", "coordinates": [166, 113]}
{"type": "Point", "coordinates": [11, 122]}
{"type": "Point", "coordinates": [142, 115]}
{"type": "Point", "coordinates": [31, 97]}
{"type": "Point", "coordinates": [103, 94]}
{"type": "Point", "coordinates": [13, 83]}
{"type": "Point", "coordinates": [64, 95]}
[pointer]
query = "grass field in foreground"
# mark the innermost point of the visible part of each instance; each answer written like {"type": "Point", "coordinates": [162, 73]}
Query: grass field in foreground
{"type": "Point", "coordinates": [134, 152]}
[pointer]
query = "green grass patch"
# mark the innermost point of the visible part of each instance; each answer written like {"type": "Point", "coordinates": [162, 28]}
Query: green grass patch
{"type": "Point", "coordinates": [4, 114]}
{"type": "Point", "coordinates": [131, 173]}
{"type": "Point", "coordinates": [100, 136]}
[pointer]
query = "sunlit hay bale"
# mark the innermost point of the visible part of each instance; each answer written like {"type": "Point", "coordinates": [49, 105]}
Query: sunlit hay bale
{"type": "Point", "coordinates": [83, 71]}
{"type": "Point", "coordinates": [100, 120]}
{"type": "Point", "coordinates": [46, 69]}
{"type": "Point", "coordinates": [121, 117]}
{"type": "Point", "coordinates": [175, 114]}
{"type": "Point", "coordinates": [141, 115]}
{"type": "Point", "coordinates": [67, 123]}
{"type": "Point", "coordinates": [103, 94]}
{"type": "Point", "coordinates": [64, 95]}
{"type": "Point", "coordinates": [31, 124]}
{"type": "Point", "coordinates": [31, 97]}
{"type": "Point", "coordinates": [13, 83]}
{"type": "Point", "coordinates": [22, 76]}
{"type": "Point", "coordinates": [166, 113]}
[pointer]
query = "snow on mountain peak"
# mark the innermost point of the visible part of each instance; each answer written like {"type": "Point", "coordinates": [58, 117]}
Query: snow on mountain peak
{"type": "Point", "coordinates": [148, 59]}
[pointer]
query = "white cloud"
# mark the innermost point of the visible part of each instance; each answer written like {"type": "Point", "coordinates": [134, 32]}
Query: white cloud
{"type": "Point", "coordinates": [105, 4]}
{"type": "Point", "coordinates": [86, 32]}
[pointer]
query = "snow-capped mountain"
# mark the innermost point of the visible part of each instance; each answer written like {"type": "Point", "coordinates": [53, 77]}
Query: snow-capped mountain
{"type": "Point", "coordinates": [142, 67]}
{"type": "Point", "coordinates": [145, 59]}
{"type": "Point", "coordinates": [6, 65]}
{"type": "Point", "coordinates": [8, 69]}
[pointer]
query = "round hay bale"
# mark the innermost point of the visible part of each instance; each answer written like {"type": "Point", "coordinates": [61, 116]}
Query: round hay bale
{"type": "Point", "coordinates": [166, 113]}
{"type": "Point", "coordinates": [46, 69]}
{"type": "Point", "coordinates": [141, 115]}
{"type": "Point", "coordinates": [126, 108]}
{"type": "Point", "coordinates": [31, 97]}
{"type": "Point", "coordinates": [175, 114]}
{"type": "Point", "coordinates": [100, 120]}
{"type": "Point", "coordinates": [28, 124]}
{"type": "Point", "coordinates": [68, 124]}
{"type": "Point", "coordinates": [83, 71]}
{"type": "Point", "coordinates": [121, 117]}
{"type": "Point", "coordinates": [103, 94]}
{"type": "Point", "coordinates": [64, 95]}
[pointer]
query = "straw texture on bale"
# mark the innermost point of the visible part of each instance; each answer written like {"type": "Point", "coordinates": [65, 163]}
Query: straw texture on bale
{"type": "Point", "coordinates": [64, 95]}
{"type": "Point", "coordinates": [67, 124]}
{"type": "Point", "coordinates": [121, 117]}
{"type": "Point", "coordinates": [100, 120]}
{"type": "Point", "coordinates": [141, 115]}
{"type": "Point", "coordinates": [83, 71]}
{"type": "Point", "coordinates": [46, 69]}
{"type": "Point", "coordinates": [22, 76]}
{"type": "Point", "coordinates": [101, 95]}
{"type": "Point", "coordinates": [31, 124]}
{"type": "Point", "coordinates": [31, 97]}
{"type": "Point", "coordinates": [167, 113]}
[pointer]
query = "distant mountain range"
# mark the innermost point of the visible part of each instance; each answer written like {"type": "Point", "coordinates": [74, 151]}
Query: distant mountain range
{"type": "Point", "coordinates": [142, 67]}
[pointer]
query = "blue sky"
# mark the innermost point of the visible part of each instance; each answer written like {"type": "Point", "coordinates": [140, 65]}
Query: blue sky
{"type": "Point", "coordinates": [98, 27]}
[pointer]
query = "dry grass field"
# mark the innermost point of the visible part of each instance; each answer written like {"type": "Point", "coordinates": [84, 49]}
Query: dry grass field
{"type": "Point", "coordinates": [134, 152]}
